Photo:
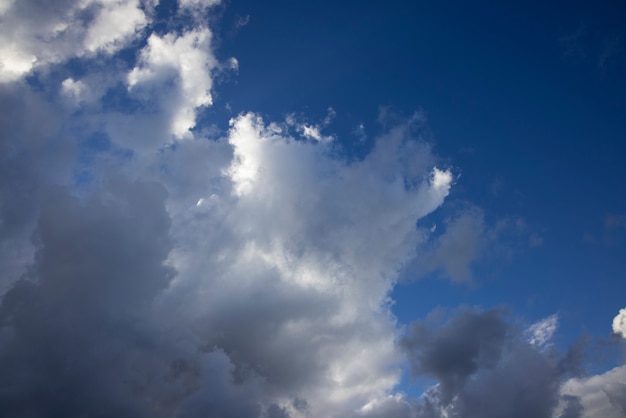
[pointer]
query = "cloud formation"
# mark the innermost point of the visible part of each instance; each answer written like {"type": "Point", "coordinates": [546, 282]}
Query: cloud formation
{"type": "Point", "coordinates": [466, 239]}
{"type": "Point", "coordinates": [155, 269]}
{"type": "Point", "coordinates": [602, 395]}
{"type": "Point", "coordinates": [36, 34]}
{"type": "Point", "coordinates": [485, 366]}
{"type": "Point", "coordinates": [619, 323]}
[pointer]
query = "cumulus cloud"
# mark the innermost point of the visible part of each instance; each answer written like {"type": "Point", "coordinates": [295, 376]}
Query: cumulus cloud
{"type": "Point", "coordinates": [246, 275]}
{"type": "Point", "coordinates": [619, 323]}
{"type": "Point", "coordinates": [186, 62]}
{"type": "Point", "coordinates": [602, 395]}
{"type": "Point", "coordinates": [277, 282]}
{"type": "Point", "coordinates": [67, 323]}
{"type": "Point", "coordinates": [485, 366]}
{"type": "Point", "coordinates": [35, 34]}
{"type": "Point", "coordinates": [242, 273]}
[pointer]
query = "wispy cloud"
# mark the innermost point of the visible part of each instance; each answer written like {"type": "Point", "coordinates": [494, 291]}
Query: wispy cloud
{"type": "Point", "coordinates": [468, 239]}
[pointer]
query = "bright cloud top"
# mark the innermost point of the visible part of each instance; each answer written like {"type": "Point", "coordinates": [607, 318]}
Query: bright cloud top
{"type": "Point", "coordinates": [619, 323]}
{"type": "Point", "coordinates": [36, 35]}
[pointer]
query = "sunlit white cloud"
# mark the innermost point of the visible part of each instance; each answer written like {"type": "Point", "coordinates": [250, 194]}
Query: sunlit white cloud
{"type": "Point", "coordinates": [185, 61]}
{"type": "Point", "coordinates": [32, 35]}
{"type": "Point", "coordinates": [619, 323]}
{"type": "Point", "coordinates": [540, 333]}
{"type": "Point", "coordinates": [602, 395]}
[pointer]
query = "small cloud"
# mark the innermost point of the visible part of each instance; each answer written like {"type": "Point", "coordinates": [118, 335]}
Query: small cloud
{"type": "Point", "coordinates": [308, 130]}
{"type": "Point", "coordinates": [359, 132]}
{"type": "Point", "coordinates": [241, 21]}
{"type": "Point", "coordinates": [619, 323]}
{"type": "Point", "coordinates": [313, 132]}
{"type": "Point", "coordinates": [330, 115]}
{"type": "Point", "coordinates": [540, 333]}
{"type": "Point", "coordinates": [74, 91]}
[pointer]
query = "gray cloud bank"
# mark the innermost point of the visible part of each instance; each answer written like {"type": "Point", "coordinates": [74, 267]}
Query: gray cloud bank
{"type": "Point", "coordinates": [151, 270]}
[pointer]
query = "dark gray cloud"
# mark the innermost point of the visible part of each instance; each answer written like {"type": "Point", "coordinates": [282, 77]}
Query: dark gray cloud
{"type": "Point", "coordinates": [72, 323]}
{"type": "Point", "coordinates": [79, 334]}
{"type": "Point", "coordinates": [573, 407]}
{"type": "Point", "coordinates": [616, 392]}
{"type": "Point", "coordinates": [457, 350]}
{"type": "Point", "coordinates": [33, 157]}
{"type": "Point", "coordinates": [485, 367]}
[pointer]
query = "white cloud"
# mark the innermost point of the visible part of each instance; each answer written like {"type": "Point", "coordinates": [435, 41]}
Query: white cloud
{"type": "Point", "coordinates": [540, 333]}
{"type": "Point", "coordinates": [197, 3]}
{"type": "Point", "coordinates": [310, 246]}
{"type": "Point", "coordinates": [185, 61]}
{"type": "Point", "coordinates": [114, 25]}
{"type": "Point", "coordinates": [603, 395]}
{"type": "Point", "coordinates": [619, 323]}
{"type": "Point", "coordinates": [32, 35]}
{"type": "Point", "coordinates": [75, 91]}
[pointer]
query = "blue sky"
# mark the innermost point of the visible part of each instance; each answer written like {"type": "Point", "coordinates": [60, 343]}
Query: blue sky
{"type": "Point", "coordinates": [312, 209]}
{"type": "Point", "coordinates": [525, 101]}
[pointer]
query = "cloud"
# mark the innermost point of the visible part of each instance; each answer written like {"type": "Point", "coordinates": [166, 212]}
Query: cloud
{"type": "Point", "coordinates": [70, 324]}
{"type": "Point", "coordinates": [190, 4]}
{"type": "Point", "coordinates": [152, 268]}
{"type": "Point", "coordinates": [35, 35]}
{"type": "Point", "coordinates": [305, 242]}
{"type": "Point", "coordinates": [540, 333]}
{"type": "Point", "coordinates": [619, 323]}
{"type": "Point", "coordinates": [484, 366]}
{"type": "Point", "coordinates": [467, 240]}
{"type": "Point", "coordinates": [461, 245]}
{"type": "Point", "coordinates": [455, 351]}
{"type": "Point", "coordinates": [269, 297]}
{"type": "Point", "coordinates": [241, 21]}
{"type": "Point", "coordinates": [308, 244]}
{"type": "Point", "coordinates": [184, 61]}
{"type": "Point", "coordinates": [602, 395]}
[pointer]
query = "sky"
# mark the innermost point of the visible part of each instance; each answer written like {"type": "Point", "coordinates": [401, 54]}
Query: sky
{"type": "Point", "coordinates": [312, 209]}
